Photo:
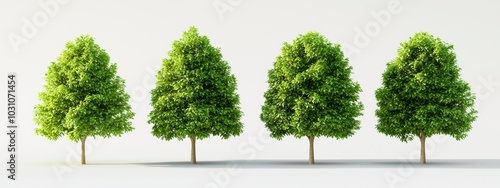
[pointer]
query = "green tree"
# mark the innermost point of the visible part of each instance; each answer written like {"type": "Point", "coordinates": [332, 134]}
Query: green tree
{"type": "Point", "coordinates": [311, 93]}
{"type": "Point", "coordinates": [422, 93]}
{"type": "Point", "coordinates": [83, 96]}
{"type": "Point", "coordinates": [195, 94]}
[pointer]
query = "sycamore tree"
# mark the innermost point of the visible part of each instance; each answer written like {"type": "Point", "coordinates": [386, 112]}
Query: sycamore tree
{"type": "Point", "coordinates": [422, 93]}
{"type": "Point", "coordinates": [311, 93]}
{"type": "Point", "coordinates": [195, 94]}
{"type": "Point", "coordinates": [83, 97]}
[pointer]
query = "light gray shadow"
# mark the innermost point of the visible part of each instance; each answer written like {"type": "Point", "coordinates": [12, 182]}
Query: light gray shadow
{"type": "Point", "coordinates": [325, 164]}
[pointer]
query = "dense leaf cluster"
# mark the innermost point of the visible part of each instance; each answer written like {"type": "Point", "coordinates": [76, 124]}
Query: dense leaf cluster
{"type": "Point", "coordinates": [83, 95]}
{"type": "Point", "coordinates": [310, 91]}
{"type": "Point", "coordinates": [422, 92]}
{"type": "Point", "coordinates": [195, 94]}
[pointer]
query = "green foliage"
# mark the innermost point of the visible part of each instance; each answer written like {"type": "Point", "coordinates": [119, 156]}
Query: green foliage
{"type": "Point", "coordinates": [310, 91]}
{"type": "Point", "coordinates": [83, 95]}
{"type": "Point", "coordinates": [422, 91]}
{"type": "Point", "coordinates": [195, 92]}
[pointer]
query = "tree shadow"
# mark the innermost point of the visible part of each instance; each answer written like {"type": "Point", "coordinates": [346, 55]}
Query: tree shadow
{"type": "Point", "coordinates": [325, 164]}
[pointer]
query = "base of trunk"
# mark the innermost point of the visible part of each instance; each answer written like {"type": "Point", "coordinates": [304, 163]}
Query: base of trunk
{"type": "Point", "coordinates": [311, 149]}
{"type": "Point", "coordinates": [83, 160]}
{"type": "Point", "coordinates": [423, 159]}
{"type": "Point", "coordinates": [193, 149]}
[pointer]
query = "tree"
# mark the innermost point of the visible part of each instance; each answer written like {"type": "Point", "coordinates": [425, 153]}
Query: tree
{"type": "Point", "coordinates": [311, 93]}
{"type": "Point", "coordinates": [195, 94]}
{"type": "Point", "coordinates": [84, 97]}
{"type": "Point", "coordinates": [422, 93]}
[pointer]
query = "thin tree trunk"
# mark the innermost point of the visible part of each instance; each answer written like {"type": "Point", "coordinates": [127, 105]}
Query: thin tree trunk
{"type": "Point", "coordinates": [422, 148]}
{"type": "Point", "coordinates": [84, 161]}
{"type": "Point", "coordinates": [311, 149]}
{"type": "Point", "coordinates": [193, 149]}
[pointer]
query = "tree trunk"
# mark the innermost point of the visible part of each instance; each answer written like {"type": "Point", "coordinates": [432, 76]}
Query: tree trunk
{"type": "Point", "coordinates": [422, 148]}
{"type": "Point", "coordinates": [83, 150]}
{"type": "Point", "coordinates": [311, 149]}
{"type": "Point", "coordinates": [193, 149]}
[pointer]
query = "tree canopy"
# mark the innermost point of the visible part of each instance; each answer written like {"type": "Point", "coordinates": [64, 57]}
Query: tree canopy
{"type": "Point", "coordinates": [311, 92]}
{"type": "Point", "coordinates": [195, 94]}
{"type": "Point", "coordinates": [83, 95]}
{"type": "Point", "coordinates": [422, 93]}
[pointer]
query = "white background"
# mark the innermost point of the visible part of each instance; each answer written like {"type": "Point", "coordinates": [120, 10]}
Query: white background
{"type": "Point", "coordinates": [138, 34]}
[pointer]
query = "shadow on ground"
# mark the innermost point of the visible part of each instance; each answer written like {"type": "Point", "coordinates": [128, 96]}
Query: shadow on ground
{"type": "Point", "coordinates": [354, 163]}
